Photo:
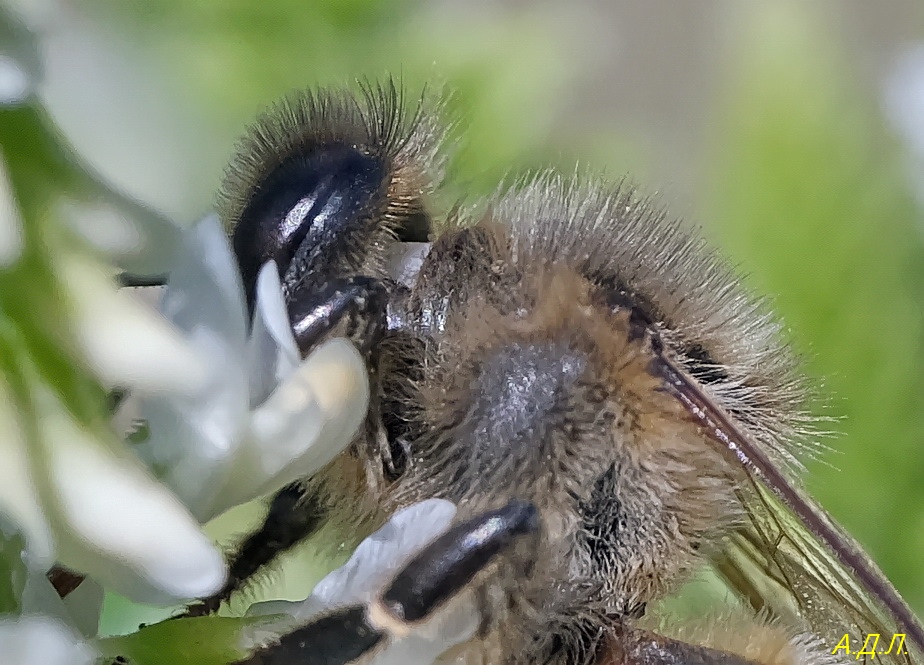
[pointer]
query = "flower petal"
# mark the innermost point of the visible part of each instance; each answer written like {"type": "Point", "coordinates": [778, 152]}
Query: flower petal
{"type": "Point", "coordinates": [101, 226]}
{"type": "Point", "coordinates": [116, 523]}
{"type": "Point", "coordinates": [126, 342]}
{"type": "Point", "coordinates": [141, 241]}
{"type": "Point", "coordinates": [272, 352]}
{"type": "Point", "coordinates": [385, 552]}
{"type": "Point", "coordinates": [305, 423]}
{"type": "Point", "coordinates": [37, 640]}
{"type": "Point", "coordinates": [374, 562]}
{"type": "Point", "coordinates": [20, 62]}
{"type": "Point", "coordinates": [80, 609]}
{"type": "Point", "coordinates": [19, 497]}
{"type": "Point", "coordinates": [15, 84]}
{"type": "Point", "coordinates": [85, 605]}
{"type": "Point", "coordinates": [312, 415]}
{"type": "Point", "coordinates": [204, 290]}
{"type": "Point", "coordinates": [213, 450]}
{"type": "Point", "coordinates": [194, 441]}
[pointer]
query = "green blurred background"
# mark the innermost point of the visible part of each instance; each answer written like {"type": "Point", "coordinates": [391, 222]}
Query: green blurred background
{"type": "Point", "coordinates": [773, 124]}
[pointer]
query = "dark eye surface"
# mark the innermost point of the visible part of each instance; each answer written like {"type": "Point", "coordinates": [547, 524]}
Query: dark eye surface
{"type": "Point", "coordinates": [305, 206]}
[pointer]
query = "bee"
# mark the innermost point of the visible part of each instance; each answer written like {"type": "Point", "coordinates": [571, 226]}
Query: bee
{"type": "Point", "coordinates": [573, 370]}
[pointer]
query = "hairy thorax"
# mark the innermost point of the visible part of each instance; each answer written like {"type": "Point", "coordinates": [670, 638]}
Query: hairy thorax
{"type": "Point", "coordinates": [550, 400]}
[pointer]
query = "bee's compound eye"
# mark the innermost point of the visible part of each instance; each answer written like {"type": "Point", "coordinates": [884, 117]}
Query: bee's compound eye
{"type": "Point", "coordinates": [313, 200]}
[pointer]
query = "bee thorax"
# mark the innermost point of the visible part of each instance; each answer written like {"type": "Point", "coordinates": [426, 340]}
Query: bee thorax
{"type": "Point", "coordinates": [516, 402]}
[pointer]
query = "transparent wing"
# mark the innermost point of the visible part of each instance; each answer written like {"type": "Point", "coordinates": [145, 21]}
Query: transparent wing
{"type": "Point", "coordinates": [791, 558]}
{"type": "Point", "coordinates": [781, 566]}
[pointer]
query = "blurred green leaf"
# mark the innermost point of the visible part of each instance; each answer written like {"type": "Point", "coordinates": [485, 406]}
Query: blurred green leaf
{"type": "Point", "coordinates": [194, 641]}
{"type": "Point", "coordinates": [506, 85]}
{"type": "Point", "coordinates": [13, 572]}
{"type": "Point", "coordinates": [808, 195]}
{"type": "Point", "coordinates": [34, 331]}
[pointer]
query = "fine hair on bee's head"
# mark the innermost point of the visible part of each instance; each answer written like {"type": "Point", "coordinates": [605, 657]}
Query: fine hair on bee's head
{"type": "Point", "coordinates": [359, 165]}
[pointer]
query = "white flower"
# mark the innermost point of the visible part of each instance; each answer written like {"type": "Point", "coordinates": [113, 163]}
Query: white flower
{"type": "Point", "coordinates": [20, 64]}
{"type": "Point", "coordinates": [264, 417]}
{"type": "Point", "coordinates": [232, 414]}
{"type": "Point", "coordinates": [40, 640]}
{"type": "Point", "coordinates": [127, 344]}
{"type": "Point", "coordinates": [372, 566]}
{"type": "Point", "coordinates": [46, 628]}
{"type": "Point", "coordinates": [222, 431]}
{"type": "Point", "coordinates": [98, 512]}
{"type": "Point", "coordinates": [73, 492]}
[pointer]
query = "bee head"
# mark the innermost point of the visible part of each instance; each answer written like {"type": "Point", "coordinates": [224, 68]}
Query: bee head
{"type": "Point", "coordinates": [323, 181]}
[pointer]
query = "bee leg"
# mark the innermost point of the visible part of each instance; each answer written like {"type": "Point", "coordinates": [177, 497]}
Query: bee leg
{"type": "Point", "coordinates": [433, 578]}
{"type": "Point", "coordinates": [436, 576]}
{"type": "Point", "coordinates": [293, 515]}
{"type": "Point", "coordinates": [450, 562]}
{"type": "Point", "coordinates": [642, 647]}
{"type": "Point", "coordinates": [353, 307]}
{"type": "Point", "coordinates": [335, 638]}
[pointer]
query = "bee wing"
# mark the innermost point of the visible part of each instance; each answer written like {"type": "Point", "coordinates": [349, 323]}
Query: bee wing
{"type": "Point", "coordinates": [781, 566]}
{"type": "Point", "coordinates": [790, 556]}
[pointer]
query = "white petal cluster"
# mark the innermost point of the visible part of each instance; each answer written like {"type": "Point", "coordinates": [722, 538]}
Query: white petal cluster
{"type": "Point", "coordinates": [69, 490]}
{"type": "Point", "coordinates": [263, 417]}
{"type": "Point", "coordinates": [99, 512]}
{"type": "Point", "coordinates": [75, 499]}
{"type": "Point", "coordinates": [231, 410]}
{"type": "Point", "coordinates": [39, 640]}
{"type": "Point", "coordinates": [223, 430]}
{"type": "Point", "coordinates": [49, 629]}
{"type": "Point", "coordinates": [232, 415]}
{"type": "Point", "coordinates": [374, 563]}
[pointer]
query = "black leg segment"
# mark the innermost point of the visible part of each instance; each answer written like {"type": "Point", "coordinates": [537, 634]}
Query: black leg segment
{"type": "Point", "coordinates": [291, 518]}
{"type": "Point", "coordinates": [354, 307]}
{"type": "Point", "coordinates": [337, 638]}
{"type": "Point", "coordinates": [441, 571]}
{"type": "Point", "coordinates": [446, 566]}
{"type": "Point", "coordinates": [128, 280]}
